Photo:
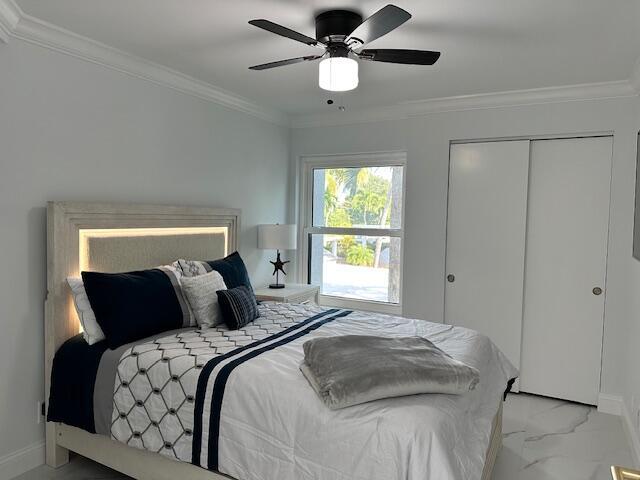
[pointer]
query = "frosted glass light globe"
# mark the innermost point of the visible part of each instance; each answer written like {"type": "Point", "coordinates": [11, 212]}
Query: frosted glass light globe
{"type": "Point", "coordinates": [338, 74]}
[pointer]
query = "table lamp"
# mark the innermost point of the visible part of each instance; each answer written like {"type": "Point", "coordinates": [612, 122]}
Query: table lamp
{"type": "Point", "coordinates": [277, 237]}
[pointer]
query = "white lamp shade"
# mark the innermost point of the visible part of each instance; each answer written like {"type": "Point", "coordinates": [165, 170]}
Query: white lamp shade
{"type": "Point", "coordinates": [338, 74]}
{"type": "Point", "coordinates": [277, 237]}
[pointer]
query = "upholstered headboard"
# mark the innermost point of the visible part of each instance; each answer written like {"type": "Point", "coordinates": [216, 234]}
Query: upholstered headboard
{"type": "Point", "coordinates": [121, 250]}
{"type": "Point", "coordinates": [122, 237]}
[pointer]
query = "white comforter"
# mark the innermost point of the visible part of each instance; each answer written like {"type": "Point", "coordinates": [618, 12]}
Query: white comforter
{"type": "Point", "coordinates": [273, 426]}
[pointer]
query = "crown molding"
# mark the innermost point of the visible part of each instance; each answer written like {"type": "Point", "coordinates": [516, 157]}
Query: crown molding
{"type": "Point", "coordinates": [635, 76]}
{"type": "Point", "coordinates": [9, 18]}
{"type": "Point", "coordinates": [15, 23]}
{"type": "Point", "coordinates": [537, 96]}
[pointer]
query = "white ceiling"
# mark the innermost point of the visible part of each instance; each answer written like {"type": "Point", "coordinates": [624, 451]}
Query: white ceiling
{"type": "Point", "coordinates": [487, 45]}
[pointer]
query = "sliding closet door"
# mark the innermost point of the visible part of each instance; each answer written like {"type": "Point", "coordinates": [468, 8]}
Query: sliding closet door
{"type": "Point", "coordinates": [565, 267]}
{"type": "Point", "coordinates": [486, 227]}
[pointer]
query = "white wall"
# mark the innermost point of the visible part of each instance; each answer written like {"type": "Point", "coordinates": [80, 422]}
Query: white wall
{"type": "Point", "coordinates": [632, 370]}
{"type": "Point", "coordinates": [72, 130]}
{"type": "Point", "coordinates": [426, 140]}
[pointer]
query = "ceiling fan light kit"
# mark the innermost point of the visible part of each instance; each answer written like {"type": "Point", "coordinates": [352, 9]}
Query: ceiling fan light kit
{"type": "Point", "coordinates": [342, 34]}
{"type": "Point", "coordinates": [338, 74]}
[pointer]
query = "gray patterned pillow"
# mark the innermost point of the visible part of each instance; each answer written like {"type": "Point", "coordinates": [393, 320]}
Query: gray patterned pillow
{"type": "Point", "coordinates": [201, 295]}
{"type": "Point", "coordinates": [192, 268]}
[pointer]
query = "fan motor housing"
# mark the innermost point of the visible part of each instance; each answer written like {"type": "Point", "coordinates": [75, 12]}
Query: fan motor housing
{"type": "Point", "coordinates": [335, 25]}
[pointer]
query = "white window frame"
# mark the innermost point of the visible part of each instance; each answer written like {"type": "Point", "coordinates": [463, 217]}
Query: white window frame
{"type": "Point", "coordinates": [305, 227]}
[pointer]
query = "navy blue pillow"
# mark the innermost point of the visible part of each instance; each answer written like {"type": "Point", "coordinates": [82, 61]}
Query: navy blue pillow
{"type": "Point", "coordinates": [238, 306]}
{"type": "Point", "coordinates": [233, 271]}
{"type": "Point", "coordinates": [135, 305]}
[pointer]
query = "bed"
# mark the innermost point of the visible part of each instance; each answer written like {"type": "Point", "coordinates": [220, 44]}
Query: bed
{"type": "Point", "coordinates": [264, 421]}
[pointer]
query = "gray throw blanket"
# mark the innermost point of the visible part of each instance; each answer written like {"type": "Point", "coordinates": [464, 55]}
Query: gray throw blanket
{"type": "Point", "coordinates": [353, 369]}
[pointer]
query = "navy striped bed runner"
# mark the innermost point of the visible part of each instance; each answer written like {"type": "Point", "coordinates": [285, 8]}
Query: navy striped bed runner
{"type": "Point", "coordinates": [234, 359]}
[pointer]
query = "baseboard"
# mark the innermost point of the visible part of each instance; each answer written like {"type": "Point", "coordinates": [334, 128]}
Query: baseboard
{"type": "Point", "coordinates": [632, 432]}
{"type": "Point", "coordinates": [616, 405]}
{"type": "Point", "coordinates": [611, 404]}
{"type": "Point", "coordinates": [22, 461]}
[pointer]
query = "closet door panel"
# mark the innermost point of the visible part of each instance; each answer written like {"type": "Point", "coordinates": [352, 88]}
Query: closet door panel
{"type": "Point", "coordinates": [486, 227]}
{"type": "Point", "coordinates": [565, 266]}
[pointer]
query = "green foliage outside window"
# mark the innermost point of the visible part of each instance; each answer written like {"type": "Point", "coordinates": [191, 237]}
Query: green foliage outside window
{"type": "Point", "coordinates": [356, 197]}
{"type": "Point", "coordinates": [361, 255]}
{"type": "Point", "coordinates": [344, 244]}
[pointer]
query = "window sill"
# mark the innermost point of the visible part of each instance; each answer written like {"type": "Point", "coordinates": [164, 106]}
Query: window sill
{"type": "Point", "coordinates": [364, 305]}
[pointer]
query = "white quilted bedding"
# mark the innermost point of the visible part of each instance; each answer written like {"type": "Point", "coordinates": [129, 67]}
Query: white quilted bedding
{"type": "Point", "coordinates": [271, 425]}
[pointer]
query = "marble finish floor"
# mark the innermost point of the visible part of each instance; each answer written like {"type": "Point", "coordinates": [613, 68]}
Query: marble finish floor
{"type": "Point", "coordinates": [548, 439]}
{"type": "Point", "coordinates": [544, 439]}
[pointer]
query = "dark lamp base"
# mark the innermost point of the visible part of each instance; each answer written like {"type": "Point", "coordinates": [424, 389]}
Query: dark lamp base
{"type": "Point", "coordinates": [276, 285]}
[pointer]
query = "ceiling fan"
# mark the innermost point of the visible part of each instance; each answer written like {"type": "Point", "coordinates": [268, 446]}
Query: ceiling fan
{"type": "Point", "coordinates": [342, 34]}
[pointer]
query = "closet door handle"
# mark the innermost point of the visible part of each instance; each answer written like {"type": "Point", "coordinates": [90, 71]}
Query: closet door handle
{"type": "Point", "coordinates": [597, 291]}
{"type": "Point", "coordinates": [451, 278]}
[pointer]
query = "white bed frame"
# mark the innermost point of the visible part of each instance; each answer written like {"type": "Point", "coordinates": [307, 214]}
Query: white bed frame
{"type": "Point", "coordinates": [65, 220]}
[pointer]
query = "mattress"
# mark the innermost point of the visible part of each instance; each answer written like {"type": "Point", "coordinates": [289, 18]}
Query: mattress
{"type": "Point", "coordinates": [236, 401]}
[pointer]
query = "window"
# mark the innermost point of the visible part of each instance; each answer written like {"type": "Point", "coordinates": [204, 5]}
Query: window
{"type": "Point", "coordinates": [353, 229]}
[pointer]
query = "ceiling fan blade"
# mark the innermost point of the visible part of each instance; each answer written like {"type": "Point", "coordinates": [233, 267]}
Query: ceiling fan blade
{"type": "Point", "coordinates": [285, 32]}
{"type": "Point", "coordinates": [380, 23]}
{"type": "Point", "coordinates": [282, 63]}
{"type": "Point", "coordinates": [408, 57]}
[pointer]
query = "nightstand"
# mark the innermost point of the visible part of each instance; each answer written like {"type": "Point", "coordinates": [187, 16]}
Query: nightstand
{"type": "Point", "coordinates": [291, 293]}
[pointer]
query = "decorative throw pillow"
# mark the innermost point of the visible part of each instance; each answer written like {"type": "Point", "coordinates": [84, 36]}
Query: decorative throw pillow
{"type": "Point", "coordinates": [134, 305]}
{"type": "Point", "coordinates": [91, 331]}
{"type": "Point", "coordinates": [238, 306]}
{"type": "Point", "coordinates": [232, 268]}
{"type": "Point", "coordinates": [201, 294]}
{"type": "Point", "coordinates": [192, 268]}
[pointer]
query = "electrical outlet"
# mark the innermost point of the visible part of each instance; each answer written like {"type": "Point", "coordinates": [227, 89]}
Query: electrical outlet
{"type": "Point", "coordinates": [40, 412]}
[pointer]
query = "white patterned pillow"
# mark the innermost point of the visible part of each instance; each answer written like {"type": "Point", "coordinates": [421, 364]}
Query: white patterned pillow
{"type": "Point", "coordinates": [201, 295]}
{"type": "Point", "coordinates": [91, 331]}
{"type": "Point", "coordinates": [192, 268]}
